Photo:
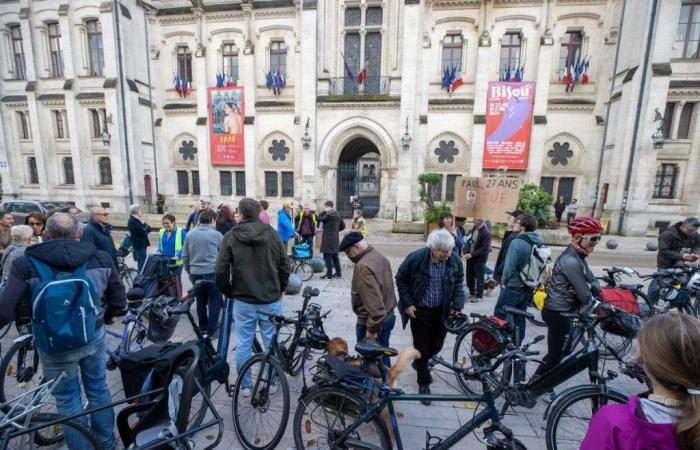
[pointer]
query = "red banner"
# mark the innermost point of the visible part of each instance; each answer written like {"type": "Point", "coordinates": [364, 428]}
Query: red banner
{"type": "Point", "coordinates": [226, 113]}
{"type": "Point", "coordinates": [508, 124]}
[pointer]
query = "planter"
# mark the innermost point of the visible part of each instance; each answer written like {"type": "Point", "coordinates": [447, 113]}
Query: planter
{"type": "Point", "coordinates": [408, 227]}
{"type": "Point", "coordinates": [558, 236]}
{"type": "Point", "coordinates": [429, 228]}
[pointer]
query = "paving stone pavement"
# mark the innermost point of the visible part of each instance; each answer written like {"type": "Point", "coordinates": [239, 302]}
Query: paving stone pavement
{"type": "Point", "coordinates": [441, 418]}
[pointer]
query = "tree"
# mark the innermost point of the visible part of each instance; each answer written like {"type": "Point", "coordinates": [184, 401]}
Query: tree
{"type": "Point", "coordinates": [429, 183]}
{"type": "Point", "coordinates": [536, 201]}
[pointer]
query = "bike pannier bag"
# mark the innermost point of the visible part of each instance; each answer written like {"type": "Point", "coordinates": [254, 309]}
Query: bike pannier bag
{"type": "Point", "coordinates": [156, 361]}
{"type": "Point", "coordinates": [484, 341]}
{"type": "Point", "coordinates": [623, 299]}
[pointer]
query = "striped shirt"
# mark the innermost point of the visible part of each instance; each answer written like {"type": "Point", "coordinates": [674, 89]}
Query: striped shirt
{"type": "Point", "coordinates": [433, 295]}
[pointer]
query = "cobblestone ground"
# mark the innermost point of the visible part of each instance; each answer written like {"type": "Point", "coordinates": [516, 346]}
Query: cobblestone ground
{"type": "Point", "coordinates": [441, 419]}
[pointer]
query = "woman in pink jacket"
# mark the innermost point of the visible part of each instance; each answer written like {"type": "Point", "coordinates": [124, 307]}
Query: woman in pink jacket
{"type": "Point", "coordinates": [667, 417]}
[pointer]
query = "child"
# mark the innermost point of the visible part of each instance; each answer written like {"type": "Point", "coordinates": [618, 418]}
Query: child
{"type": "Point", "coordinates": [668, 417]}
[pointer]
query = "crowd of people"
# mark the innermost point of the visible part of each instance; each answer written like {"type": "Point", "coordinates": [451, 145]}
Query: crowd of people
{"type": "Point", "coordinates": [242, 257]}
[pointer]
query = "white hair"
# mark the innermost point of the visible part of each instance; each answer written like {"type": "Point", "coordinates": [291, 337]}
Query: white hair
{"type": "Point", "coordinates": [20, 232]}
{"type": "Point", "coordinates": [134, 208]}
{"type": "Point", "coordinates": [441, 240]}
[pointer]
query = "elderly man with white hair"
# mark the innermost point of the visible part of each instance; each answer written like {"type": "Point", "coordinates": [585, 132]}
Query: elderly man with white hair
{"type": "Point", "coordinates": [21, 236]}
{"type": "Point", "coordinates": [430, 282]}
{"type": "Point", "coordinates": [98, 232]}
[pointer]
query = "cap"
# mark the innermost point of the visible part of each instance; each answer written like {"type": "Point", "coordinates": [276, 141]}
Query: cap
{"type": "Point", "coordinates": [204, 200]}
{"type": "Point", "coordinates": [515, 213]}
{"type": "Point", "coordinates": [691, 222]}
{"type": "Point", "coordinates": [350, 239]}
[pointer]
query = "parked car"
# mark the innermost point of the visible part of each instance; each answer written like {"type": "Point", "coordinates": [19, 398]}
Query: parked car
{"type": "Point", "coordinates": [21, 208]}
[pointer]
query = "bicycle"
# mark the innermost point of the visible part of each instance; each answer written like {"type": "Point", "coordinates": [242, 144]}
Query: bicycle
{"type": "Point", "coordinates": [266, 372]}
{"type": "Point", "coordinates": [346, 392]}
{"type": "Point", "coordinates": [19, 428]}
{"type": "Point", "coordinates": [127, 274]}
{"type": "Point", "coordinates": [300, 261]}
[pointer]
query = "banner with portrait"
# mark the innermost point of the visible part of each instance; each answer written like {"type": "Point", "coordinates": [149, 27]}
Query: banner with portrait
{"type": "Point", "coordinates": [226, 113]}
{"type": "Point", "coordinates": [508, 124]}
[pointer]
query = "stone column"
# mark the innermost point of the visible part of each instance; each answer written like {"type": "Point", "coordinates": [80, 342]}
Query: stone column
{"type": "Point", "coordinates": [481, 83]}
{"type": "Point", "coordinates": [539, 126]}
{"type": "Point", "coordinates": [250, 85]}
{"type": "Point", "coordinates": [206, 171]}
{"type": "Point", "coordinates": [306, 97]}
{"type": "Point", "coordinates": [673, 130]}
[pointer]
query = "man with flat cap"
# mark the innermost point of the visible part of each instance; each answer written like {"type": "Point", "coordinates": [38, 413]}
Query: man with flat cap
{"type": "Point", "coordinates": [372, 291]}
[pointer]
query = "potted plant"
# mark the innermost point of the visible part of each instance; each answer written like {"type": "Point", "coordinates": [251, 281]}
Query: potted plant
{"type": "Point", "coordinates": [429, 185]}
{"type": "Point", "coordinates": [536, 201]}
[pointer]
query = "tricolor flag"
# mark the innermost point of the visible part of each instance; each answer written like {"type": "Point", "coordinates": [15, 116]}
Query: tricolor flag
{"type": "Point", "coordinates": [457, 80]}
{"type": "Point", "coordinates": [584, 76]}
{"type": "Point", "coordinates": [269, 82]}
{"type": "Point", "coordinates": [362, 76]}
{"type": "Point", "coordinates": [348, 70]}
{"type": "Point", "coordinates": [178, 85]}
{"type": "Point", "coordinates": [188, 91]}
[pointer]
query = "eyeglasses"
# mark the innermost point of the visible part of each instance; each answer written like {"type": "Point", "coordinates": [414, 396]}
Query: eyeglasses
{"type": "Point", "coordinates": [594, 238]}
{"type": "Point", "coordinates": [35, 224]}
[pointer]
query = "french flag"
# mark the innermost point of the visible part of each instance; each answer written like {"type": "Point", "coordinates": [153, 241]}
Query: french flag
{"type": "Point", "coordinates": [457, 80]}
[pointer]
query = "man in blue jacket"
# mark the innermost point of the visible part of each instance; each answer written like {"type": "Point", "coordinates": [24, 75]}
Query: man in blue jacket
{"type": "Point", "coordinates": [514, 292]}
{"type": "Point", "coordinates": [430, 282]}
{"type": "Point", "coordinates": [98, 232]}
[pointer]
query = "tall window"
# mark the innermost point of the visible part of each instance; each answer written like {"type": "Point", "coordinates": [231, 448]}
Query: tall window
{"type": "Point", "coordinates": [570, 49]}
{"type": "Point", "coordinates": [25, 132]}
{"type": "Point", "coordinates": [195, 182]}
{"type": "Point", "coordinates": [184, 63]}
{"type": "Point", "coordinates": [97, 57]}
{"type": "Point", "coordinates": [61, 132]}
{"type": "Point", "coordinates": [363, 47]}
{"type": "Point", "coordinates": [68, 175]}
{"type": "Point", "coordinates": [225, 182]}
{"type": "Point", "coordinates": [105, 170]}
{"type": "Point", "coordinates": [229, 52]}
{"type": "Point", "coordinates": [33, 171]}
{"type": "Point", "coordinates": [287, 184]}
{"type": "Point", "coordinates": [688, 31]}
{"type": "Point", "coordinates": [240, 183]}
{"type": "Point", "coordinates": [18, 52]}
{"type": "Point", "coordinates": [436, 190]}
{"type": "Point", "coordinates": [668, 119]}
{"type": "Point", "coordinates": [271, 188]}
{"type": "Point", "coordinates": [183, 182]}
{"type": "Point", "coordinates": [510, 52]}
{"type": "Point", "coordinates": [98, 122]}
{"type": "Point", "coordinates": [55, 50]}
{"type": "Point", "coordinates": [450, 188]}
{"type": "Point", "coordinates": [452, 52]}
{"type": "Point", "coordinates": [278, 57]}
{"type": "Point", "coordinates": [665, 184]}
{"type": "Point", "coordinates": [684, 121]}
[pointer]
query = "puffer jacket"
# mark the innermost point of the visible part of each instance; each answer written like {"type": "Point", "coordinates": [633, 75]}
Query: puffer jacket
{"type": "Point", "coordinates": [373, 298]}
{"type": "Point", "coordinates": [672, 242]}
{"type": "Point", "coordinates": [572, 283]}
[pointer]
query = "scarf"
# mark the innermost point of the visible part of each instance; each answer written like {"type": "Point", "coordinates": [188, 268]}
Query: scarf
{"type": "Point", "coordinates": [582, 251]}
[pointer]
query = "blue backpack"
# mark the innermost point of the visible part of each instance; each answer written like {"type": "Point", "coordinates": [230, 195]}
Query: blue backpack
{"type": "Point", "coordinates": [63, 309]}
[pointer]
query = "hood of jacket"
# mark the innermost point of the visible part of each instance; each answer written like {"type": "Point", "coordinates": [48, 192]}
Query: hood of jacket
{"type": "Point", "coordinates": [333, 213]}
{"type": "Point", "coordinates": [62, 253]}
{"type": "Point", "coordinates": [252, 232]}
{"type": "Point", "coordinates": [534, 237]}
{"type": "Point", "coordinates": [103, 227]}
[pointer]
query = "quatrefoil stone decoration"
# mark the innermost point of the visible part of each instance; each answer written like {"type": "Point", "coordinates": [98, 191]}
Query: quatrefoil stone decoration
{"type": "Point", "coordinates": [446, 152]}
{"type": "Point", "coordinates": [188, 150]}
{"type": "Point", "coordinates": [560, 153]}
{"type": "Point", "coordinates": [278, 150]}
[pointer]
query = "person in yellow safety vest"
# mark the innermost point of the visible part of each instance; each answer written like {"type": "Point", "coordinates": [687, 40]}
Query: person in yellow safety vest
{"type": "Point", "coordinates": [359, 223]}
{"type": "Point", "coordinates": [305, 227]}
{"type": "Point", "coordinates": [171, 240]}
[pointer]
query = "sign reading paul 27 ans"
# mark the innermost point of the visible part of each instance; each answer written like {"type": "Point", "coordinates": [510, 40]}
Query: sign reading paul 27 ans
{"type": "Point", "coordinates": [508, 124]}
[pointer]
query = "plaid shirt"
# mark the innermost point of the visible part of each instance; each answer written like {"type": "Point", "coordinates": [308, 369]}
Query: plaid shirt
{"type": "Point", "coordinates": [433, 295]}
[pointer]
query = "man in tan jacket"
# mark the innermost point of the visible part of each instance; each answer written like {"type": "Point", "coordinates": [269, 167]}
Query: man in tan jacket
{"type": "Point", "coordinates": [373, 298]}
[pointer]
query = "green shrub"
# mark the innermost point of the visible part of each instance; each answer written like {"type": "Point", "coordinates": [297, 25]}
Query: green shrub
{"type": "Point", "coordinates": [433, 215]}
{"type": "Point", "coordinates": [536, 201]}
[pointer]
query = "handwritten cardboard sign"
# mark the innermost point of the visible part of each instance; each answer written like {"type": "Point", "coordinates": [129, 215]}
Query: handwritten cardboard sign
{"type": "Point", "coordinates": [487, 197]}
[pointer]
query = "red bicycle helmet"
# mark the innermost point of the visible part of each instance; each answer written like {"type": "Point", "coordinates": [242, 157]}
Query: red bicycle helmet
{"type": "Point", "coordinates": [585, 225]}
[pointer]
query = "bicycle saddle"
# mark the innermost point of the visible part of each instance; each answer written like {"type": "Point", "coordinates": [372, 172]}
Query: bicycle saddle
{"type": "Point", "coordinates": [310, 292]}
{"type": "Point", "coordinates": [182, 308]}
{"type": "Point", "coordinates": [372, 350]}
{"type": "Point", "coordinates": [517, 312]}
{"type": "Point", "coordinates": [135, 294]}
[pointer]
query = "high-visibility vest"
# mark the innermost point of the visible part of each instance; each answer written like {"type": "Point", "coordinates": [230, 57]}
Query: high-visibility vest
{"type": "Point", "coordinates": [178, 244]}
{"type": "Point", "coordinates": [301, 221]}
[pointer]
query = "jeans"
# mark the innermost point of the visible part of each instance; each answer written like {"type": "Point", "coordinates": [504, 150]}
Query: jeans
{"type": "Point", "coordinates": [475, 277]}
{"type": "Point", "coordinates": [140, 257]}
{"type": "Point", "coordinates": [207, 294]}
{"type": "Point", "coordinates": [382, 337]}
{"type": "Point", "coordinates": [429, 334]}
{"type": "Point", "coordinates": [517, 298]}
{"type": "Point", "coordinates": [332, 260]}
{"type": "Point", "coordinates": [247, 316]}
{"type": "Point", "coordinates": [92, 362]}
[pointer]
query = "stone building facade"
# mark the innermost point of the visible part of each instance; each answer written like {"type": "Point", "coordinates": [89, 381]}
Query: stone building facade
{"type": "Point", "coordinates": [78, 126]}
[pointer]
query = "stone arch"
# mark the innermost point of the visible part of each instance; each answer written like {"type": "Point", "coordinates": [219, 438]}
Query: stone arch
{"type": "Point", "coordinates": [353, 128]}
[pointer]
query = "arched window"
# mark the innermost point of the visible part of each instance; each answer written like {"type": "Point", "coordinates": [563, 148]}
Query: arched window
{"type": "Point", "coordinates": [278, 57]}
{"type": "Point", "coordinates": [184, 63]}
{"type": "Point", "coordinates": [452, 52]}
{"type": "Point", "coordinates": [105, 169]}
{"type": "Point", "coordinates": [510, 52]}
{"type": "Point", "coordinates": [95, 48]}
{"type": "Point", "coordinates": [229, 54]}
{"type": "Point", "coordinates": [33, 171]}
{"type": "Point", "coordinates": [570, 50]}
{"type": "Point", "coordinates": [68, 175]}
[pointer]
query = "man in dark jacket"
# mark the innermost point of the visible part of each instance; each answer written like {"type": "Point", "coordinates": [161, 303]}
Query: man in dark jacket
{"type": "Point", "coordinates": [62, 252]}
{"type": "Point", "coordinates": [505, 243]}
{"type": "Point", "coordinates": [679, 243]}
{"type": "Point", "coordinates": [476, 256]}
{"type": "Point", "coordinates": [253, 269]}
{"type": "Point", "coordinates": [98, 232]}
{"type": "Point", "coordinates": [430, 282]}
{"type": "Point", "coordinates": [559, 207]}
{"type": "Point", "coordinates": [138, 229]}
{"type": "Point", "coordinates": [373, 298]}
{"type": "Point", "coordinates": [332, 225]}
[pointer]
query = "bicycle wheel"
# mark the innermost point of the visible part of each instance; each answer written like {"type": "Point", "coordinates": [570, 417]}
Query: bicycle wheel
{"type": "Point", "coordinates": [136, 337]}
{"type": "Point", "coordinates": [80, 436]}
{"type": "Point", "coordinates": [489, 345]}
{"type": "Point", "coordinates": [260, 417]}
{"type": "Point", "coordinates": [198, 406]}
{"type": "Point", "coordinates": [325, 412]}
{"type": "Point", "coordinates": [568, 421]}
{"type": "Point", "coordinates": [127, 276]}
{"type": "Point", "coordinates": [304, 270]}
{"type": "Point", "coordinates": [621, 345]}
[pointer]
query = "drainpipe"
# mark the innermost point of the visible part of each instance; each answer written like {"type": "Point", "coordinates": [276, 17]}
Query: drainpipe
{"type": "Point", "coordinates": [607, 110]}
{"type": "Point", "coordinates": [120, 67]}
{"type": "Point", "coordinates": [150, 99]}
{"type": "Point", "coordinates": [645, 69]}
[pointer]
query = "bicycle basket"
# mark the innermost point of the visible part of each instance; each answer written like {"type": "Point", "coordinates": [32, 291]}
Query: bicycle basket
{"type": "Point", "coordinates": [620, 323]}
{"type": "Point", "coordinates": [301, 251]}
{"type": "Point", "coordinates": [623, 299]}
{"type": "Point", "coordinates": [484, 341]}
{"type": "Point", "coordinates": [161, 325]}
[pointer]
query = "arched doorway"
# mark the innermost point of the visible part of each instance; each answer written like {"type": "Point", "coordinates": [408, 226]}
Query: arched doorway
{"type": "Point", "coordinates": [358, 173]}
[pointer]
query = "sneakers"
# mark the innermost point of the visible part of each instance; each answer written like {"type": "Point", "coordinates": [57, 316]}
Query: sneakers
{"type": "Point", "coordinates": [475, 300]}
{"type": "Point", "coordinates": [425, 389]}
{"type": "Point", "coordinates": [549, 397]}
{"type": "Point", "coordinates": [245, 392]}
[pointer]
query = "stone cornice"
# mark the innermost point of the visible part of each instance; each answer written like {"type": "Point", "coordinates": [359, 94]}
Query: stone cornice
{"type": "Point", "coordinates": [177, 20]}
{"type": "Point", "coordinates": [91, 102]}
{"type": "Point", "coordinates": [359, 105]}
{"type": "Point", "coordinates": [282, 12]}
{"type": "Point", "coordinates": [224, 17]}
{"type": "Point", "coordinates": [17, 105]}
{"type": "Point", "coordinates": [581, 15]}
{"type": "Point", "coordinates": [684, 94]}
{"type": "Point", "coordinates": [511, 17]}
{"type": "Point", "coordinates": [450, 4]}
{"type": "Point", "coordinates": [570, 107]}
